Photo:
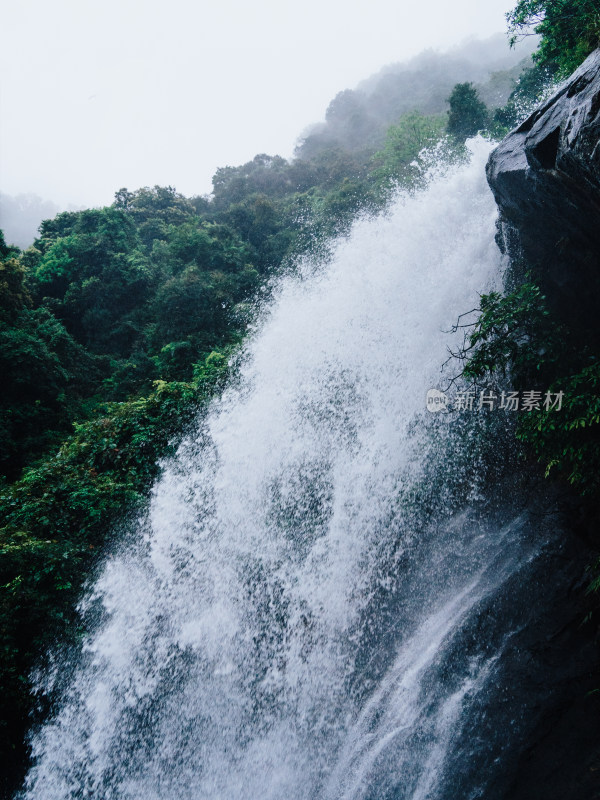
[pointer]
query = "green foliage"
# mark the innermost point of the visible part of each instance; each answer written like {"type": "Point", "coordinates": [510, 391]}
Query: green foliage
{"type": "Point", "coordinates": [57, 519]}
{"type": "Point", "coordinates": [396, 161]}
{"type": "Point", "coordinates": [468, 114]}
{"type": "Point", "coordinates": [567, 442]}
{"type": "Point", "coordinates": [569, 30]}
{"type": "Point", "coordinates": [516, 335]}
{"type": "Point", "coordinates": [14, 296]}
{"type": "Point", "coordinates": [159, 203]}
{"type": "Point", "coordinates": [209, 246]}
{"type": "Point", "coordinates": [513, 335]}
{"type": "Point", "coordinates": [47, 374]}
{"type": "Point", "coordinates": [268, 225]}
{"type": "Point", "coordinates": [265, 175]}
{"type": "Point", "coordinates": [95, 277]}
{"type": "Point", "coordinates": [54, 271]}
{"type": "Point", "coordinates": [532, 84]}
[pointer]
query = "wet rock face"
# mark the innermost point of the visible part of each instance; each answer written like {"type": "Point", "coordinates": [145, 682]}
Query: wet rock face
{"type": "Point", "coordinates": [545, 176]}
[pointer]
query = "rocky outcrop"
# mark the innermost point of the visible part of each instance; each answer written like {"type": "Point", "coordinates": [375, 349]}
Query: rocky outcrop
{"type": "Point", "coordinates": [534, 735]}
{"type": "Point", "coordinates": [545, 176]}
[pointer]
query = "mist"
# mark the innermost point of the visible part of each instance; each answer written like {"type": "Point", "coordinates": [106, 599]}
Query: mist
{"type": "Point", "coordinates": [95, 97]}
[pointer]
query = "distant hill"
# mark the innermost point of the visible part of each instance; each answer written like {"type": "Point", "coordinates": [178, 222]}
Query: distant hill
{"type": "Point", "coordinates": [357, 119]}
{"type": "Point", "coordinates": [20, 217]}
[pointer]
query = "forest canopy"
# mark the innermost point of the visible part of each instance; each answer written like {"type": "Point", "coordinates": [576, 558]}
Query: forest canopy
{"type": "Point", "coordinates": [569, 30]}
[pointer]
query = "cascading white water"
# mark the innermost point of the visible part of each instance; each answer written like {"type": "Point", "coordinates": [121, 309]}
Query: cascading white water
{"type": "Point", "coordinates": [278, 627]}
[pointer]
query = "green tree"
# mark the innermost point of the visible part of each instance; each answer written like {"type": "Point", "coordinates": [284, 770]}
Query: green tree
{"type": "Point", "coordinates": [569, 30]}
{"type": "Point", "coordinates": [468, 114]}
{"type": "Point", "coordinates": [13, 294]}
{"type": "Point", "coordinates": [46, 377]}
{"type": "Point", "coordinates": [404, 141]}
{"type": "Point", "coordinates": [532, 83]}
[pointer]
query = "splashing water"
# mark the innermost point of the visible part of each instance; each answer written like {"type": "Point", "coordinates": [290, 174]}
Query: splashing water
{"type": "Point", "coordinates": [284, 623]}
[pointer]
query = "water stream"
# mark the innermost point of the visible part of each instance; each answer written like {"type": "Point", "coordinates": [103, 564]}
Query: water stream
{"type": "Point", "coordinates": [286, 623]}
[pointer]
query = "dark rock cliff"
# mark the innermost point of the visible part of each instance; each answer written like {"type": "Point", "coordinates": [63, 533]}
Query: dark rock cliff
{"type": "Point", "coordinates": [545, 176]}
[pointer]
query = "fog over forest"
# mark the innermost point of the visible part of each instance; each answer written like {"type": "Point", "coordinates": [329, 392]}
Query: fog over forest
{"type": "Point", "coordinates": [355, 118]}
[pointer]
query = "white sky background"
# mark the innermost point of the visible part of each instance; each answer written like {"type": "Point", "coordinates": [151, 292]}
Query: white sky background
{"type": "Point", "coordinates": [99, 95]}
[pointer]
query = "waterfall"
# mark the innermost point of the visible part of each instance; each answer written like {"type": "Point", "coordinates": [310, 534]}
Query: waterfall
{"type": "Point", "coordinates": [290, 619]}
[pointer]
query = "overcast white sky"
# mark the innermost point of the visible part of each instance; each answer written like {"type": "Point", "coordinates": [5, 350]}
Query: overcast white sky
{"type": "Point", "coordinates": [111, 93]}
